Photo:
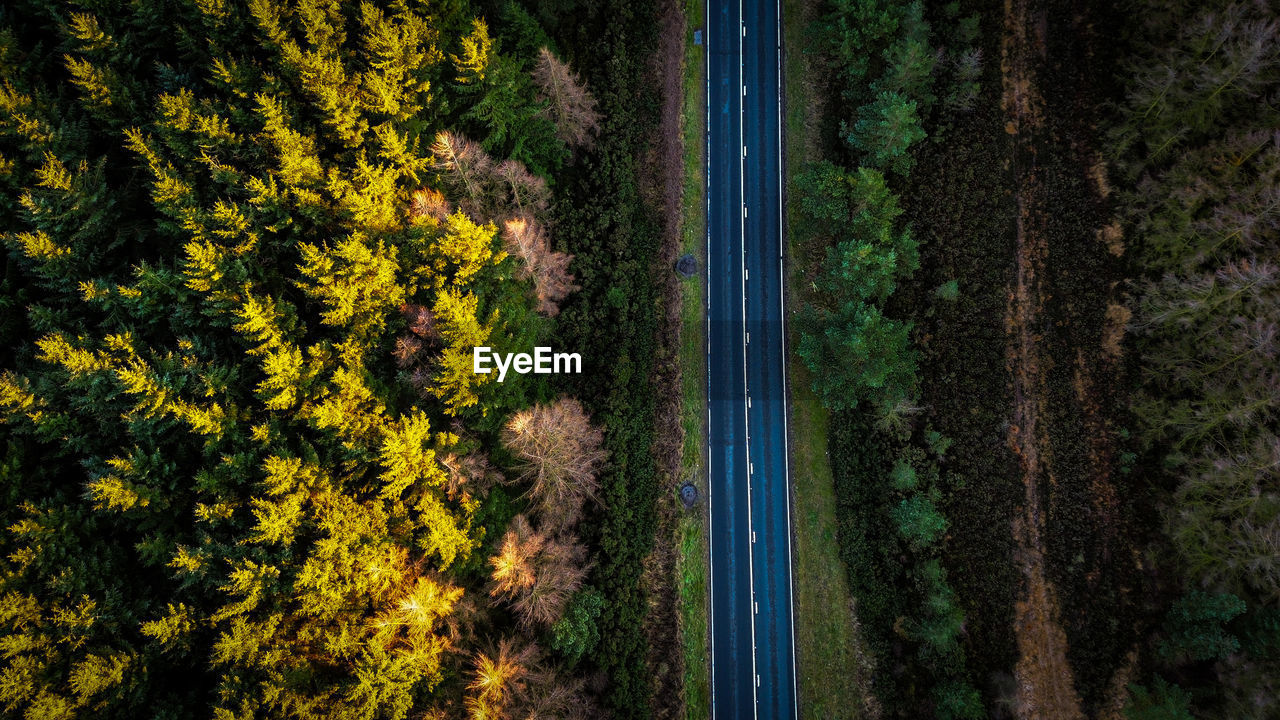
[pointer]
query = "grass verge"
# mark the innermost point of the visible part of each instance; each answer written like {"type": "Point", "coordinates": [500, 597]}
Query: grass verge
{"type": "Point", "coordinates": [692, 528]}
{"type": "Point", "coordinates": [834, 668]}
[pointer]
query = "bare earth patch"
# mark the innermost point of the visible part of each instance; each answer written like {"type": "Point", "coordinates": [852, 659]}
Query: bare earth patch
{"type": "Point", "coordinates": [1045, 686]}
{"type": "Point", "coordinates": [1118, 693]}
{"type": "Point", "coordinates": [1113, 237]}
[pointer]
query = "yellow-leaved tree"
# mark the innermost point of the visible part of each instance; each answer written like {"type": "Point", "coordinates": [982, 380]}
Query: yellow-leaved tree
{"type": "Point", "coordinates": [223, 215]}
{"type": "Point", "coordinates": [455, 382]}
{"type": "Point", "coordinates": [475, 54]}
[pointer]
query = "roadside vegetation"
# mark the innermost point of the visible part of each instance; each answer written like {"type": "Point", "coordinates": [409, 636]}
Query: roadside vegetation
{"type": "Point", "coordinates": [693, 523]}
{"type": "Point", "coordinates": [828, 643]}
{"type": "Point", "coordinates": [879, 69]}
{"type": "Point", "coordinates": [616, 314]}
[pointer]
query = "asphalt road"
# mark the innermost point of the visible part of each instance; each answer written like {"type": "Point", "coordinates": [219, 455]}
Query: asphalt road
{"type": "Point", "coordinates": [752, 639]}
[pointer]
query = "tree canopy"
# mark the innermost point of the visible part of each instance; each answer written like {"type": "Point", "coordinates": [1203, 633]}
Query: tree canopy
{"type": "Point", "coordinates": [249, 247]}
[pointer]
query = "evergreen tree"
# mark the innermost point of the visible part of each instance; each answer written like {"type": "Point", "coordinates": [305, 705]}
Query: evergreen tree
{"type": "Point", "coordinates": [223, 499]}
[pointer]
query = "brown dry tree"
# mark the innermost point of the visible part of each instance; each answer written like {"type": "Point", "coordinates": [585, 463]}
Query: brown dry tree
{"type": "Point", "coordinates": [569, 105]}
{"type": "Point", "coordinates": [560, 452]}
{"type": "Point", "coordinates": [422, 322]}
{"type": "Point", "coordinates": [536, 573]}
{"type": "Point", "coordinates": [471, 473]}
{"type": "Point", "coordinates": [559, 570]}
{"type": "Point", "coordinates": [513, 566]}
{"type": "Point", "coordinates": [407, 349]}
{"type": "Point", "coordinates": [548, 269]}
{"type": "Point", "coordinates": [413, 350]}
{"type": "Point", "coordinates": [459, 626]}
{"type": "Point", "coordinates": [429, 204]}
{"type": "Point", "coordinates": [499, 678]}
{"type": "Point", "coordinates": [529, 193]}
{"type": "Point", "coordinates": [466, 167]}
{"type": "Point", "coordinates": [558, 696]}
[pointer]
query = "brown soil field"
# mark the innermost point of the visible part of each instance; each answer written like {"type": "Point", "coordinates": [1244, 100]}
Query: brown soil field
{"type": "Point", "coordinates": [1062, 331]}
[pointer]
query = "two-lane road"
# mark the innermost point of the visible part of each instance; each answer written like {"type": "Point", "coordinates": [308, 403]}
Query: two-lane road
{"type": "Point", "coordinates": [752, 640]}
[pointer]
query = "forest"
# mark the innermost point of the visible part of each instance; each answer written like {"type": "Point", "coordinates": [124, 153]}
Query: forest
{"type": "Point", "coordinates": [1035, 270]}
{"type": "Point", "coordinates": [247, 468]}
{"type": "Point", "coordinates": [249, 246]}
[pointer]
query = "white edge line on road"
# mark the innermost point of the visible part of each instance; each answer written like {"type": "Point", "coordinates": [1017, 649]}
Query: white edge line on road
{"type": "Point", "coordinates": [746, 421]}
{"type": "Point", "coordinates": [782, 302]}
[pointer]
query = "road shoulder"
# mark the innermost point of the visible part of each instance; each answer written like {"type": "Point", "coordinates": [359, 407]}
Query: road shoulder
{"type": "Point", "coordinates": [692, 527]}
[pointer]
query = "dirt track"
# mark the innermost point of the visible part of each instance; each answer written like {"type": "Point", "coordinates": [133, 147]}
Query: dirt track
{"type": "Point", "coordinates": [1045, 685]}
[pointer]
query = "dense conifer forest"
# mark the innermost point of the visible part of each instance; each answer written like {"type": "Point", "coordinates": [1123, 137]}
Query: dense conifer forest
{"type": "Point", "coordinates": [247, 468]}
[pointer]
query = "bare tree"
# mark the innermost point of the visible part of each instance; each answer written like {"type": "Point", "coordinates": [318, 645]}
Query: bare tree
{"type": "Point", "coordinates": [560, 452]}
{"type": "Point", "coordinates": [422, 322]}
{"type": "Point", "coordinates": [559, 571]}
{"type": "Point", "coordinates": [422, 333]}
{"type": "Point", "coordinates": [406, 352]}
{"type": "Point", "coordinates": [459, 626]}
{"type": "Point", "coordinates": [488, 188]}
{"type": "Point", "coordinates": [499, 677]}
{"type": "Point", "coordinates": [512, 680]}
{"type": "Point", "coordinates": [427, 203]}
{"type": "Point", "coordinates": [529, 192]}
{"type": "Point", "coordinates": [473, 471]}
{"type": "Point", "coordinates": [551, 694]}
{"type": "Point", "coordinates": [536, 573]}
{"type": "Point", "coordinates": [513, 566]}
{"type": "Point", "coordinates": [549, 269]}
{"type": "Point", "coordinates": [569, 105]}
{"type": "Point", "coordinates": [466, 166]}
